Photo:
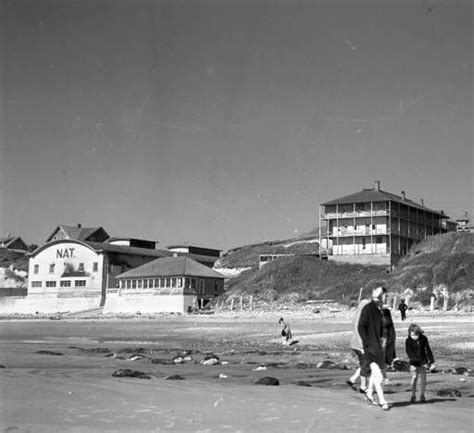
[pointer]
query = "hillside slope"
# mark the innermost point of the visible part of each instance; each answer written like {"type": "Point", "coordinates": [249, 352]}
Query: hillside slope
{"type": "Point", "coordinates": [442, 261]}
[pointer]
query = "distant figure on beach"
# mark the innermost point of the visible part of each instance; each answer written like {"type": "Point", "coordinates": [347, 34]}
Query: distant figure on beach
{"type": "Point", "coordinates": [285, 332]}
{"type": "Point", "coordinates": [371, 331]}
{"type": "Point", "coordinates": [403, 308]}
{"type": "Point", "coordinates": [421, 359]}
{"type": "Point", "coordinates": [363, 371]}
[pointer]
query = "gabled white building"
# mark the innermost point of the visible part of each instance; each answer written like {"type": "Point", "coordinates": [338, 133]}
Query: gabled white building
{"type": "Point", "coordinates": [373, 226]}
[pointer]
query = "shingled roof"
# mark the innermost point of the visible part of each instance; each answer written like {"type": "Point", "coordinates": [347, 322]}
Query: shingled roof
{"type": "Point", "coordinates": [171, 266]}
{"type": "Point", "coordinates": [378, 195]}
{"type": "Point", "coordinates": [78, 232]}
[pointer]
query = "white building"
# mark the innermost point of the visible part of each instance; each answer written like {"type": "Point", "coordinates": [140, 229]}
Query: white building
{"type": "Point", "coordinates": [373, 226]}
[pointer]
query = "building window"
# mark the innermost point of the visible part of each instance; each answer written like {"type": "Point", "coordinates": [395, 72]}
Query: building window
{"type": "Point", "coordinates": [129, 284]}
{"type": "Point", "coordinates": [145, 284]}
{"type": "Point", "coordinates": [378, 239]}
{"type": "Point", "coordinates": [139, 284]}
{"type": "Point", "coordinates": [134, 284]}
{"type": "Point", "coordinates": [36, 284]}
{"type": "Point", "coordinates": [50, 283]}
{"type": "Point", "coordinates": [80, 283]}
{"type": "Point", "coordinates": [193, 283]}
{"type": "Point", "coordinates": [95, 267]}
{"type": "Point", "coordinates": [81, 267]}
{"type": "Point", "coordinates": [168, 282]}
{"type": "Point", "coordinates": [180, 282]}
{"type": "Point", "coordinates": [51, 268]}
{"type": "Point", "coordinates": [173, 282]}
{"type": "Point", "coordinates": [363, 243]}
{"type": "Point", "coordinates": [201, 286]}
{"type": "Point", "coordinates": [150, 284]}
{"type": "Point", "coordinates": [157, 283]}
{"type": "Point", "coordinates": [65, 283]}
{"type": "Point", "coordinates": [36, 270]}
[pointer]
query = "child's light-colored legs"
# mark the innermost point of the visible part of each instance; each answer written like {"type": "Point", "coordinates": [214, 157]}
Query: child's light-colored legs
{"type": "Point", "coordinates": [422, 375]}
{"type": "Point", "coordinates": [418, 372]}
{"type": "Point", "coordinates": [375, 382]}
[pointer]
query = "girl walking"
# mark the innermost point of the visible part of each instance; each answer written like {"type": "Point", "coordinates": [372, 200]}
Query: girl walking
{"type": "Point", "coordinates": [420, 355]}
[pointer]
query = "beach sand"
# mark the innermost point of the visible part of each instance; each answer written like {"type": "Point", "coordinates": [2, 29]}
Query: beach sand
{"type": "Point", "coordinates": [76, 392]}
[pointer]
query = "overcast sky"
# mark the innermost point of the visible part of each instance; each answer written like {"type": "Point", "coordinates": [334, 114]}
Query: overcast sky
{"type": "Point", "coordinates": [223, 123]}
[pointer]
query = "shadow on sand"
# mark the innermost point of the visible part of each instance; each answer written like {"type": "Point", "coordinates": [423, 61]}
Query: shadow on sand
{"type": "Point", "coordinates": [429, 401]}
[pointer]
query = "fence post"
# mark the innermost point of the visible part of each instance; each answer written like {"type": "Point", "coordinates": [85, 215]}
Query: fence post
{"type": "Point", "coordinates": [432, 303]}
{"type": "Point", "coordinates": [232, 304]}
{"type": "Point", "coordinates": [241, 302]}
{"type": "Point", "coordinates": [251, 302]}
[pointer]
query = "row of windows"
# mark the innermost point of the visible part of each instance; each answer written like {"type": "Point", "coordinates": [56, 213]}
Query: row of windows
{"type": "Point", "coordinates": [64, 283]}
{"type": "Point", "coordinates": [164, 282]}
{"type": "Point", "coordinates": [52, 266]}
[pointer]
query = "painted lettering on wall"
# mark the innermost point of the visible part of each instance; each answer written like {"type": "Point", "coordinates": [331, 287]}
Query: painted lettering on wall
{"type": "Point", "coordinates": [65, 253]}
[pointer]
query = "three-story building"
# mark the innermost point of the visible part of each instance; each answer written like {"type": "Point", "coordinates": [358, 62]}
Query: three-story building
{"type": "Point", "coordinates": [373, 226]}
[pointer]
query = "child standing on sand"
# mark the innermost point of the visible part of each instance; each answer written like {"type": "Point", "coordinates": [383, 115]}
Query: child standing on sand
{"type": "Point", "coordinates": [420, 355]}
{"type": "Point", "coordinates": [286, 331]}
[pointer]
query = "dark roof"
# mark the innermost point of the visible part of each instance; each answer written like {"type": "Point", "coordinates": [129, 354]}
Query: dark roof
{"type": "Point", "coordinates": [373, 195]}
{"type": "Point", "coordinates": [77, 232]}
{"type": "Point", "coordinates": [110, 248]}
{"type": "Point", "coordinates": [124, 249]}
{"type": "Point", "coordinates": [171, 266]}
{"type": "Point", "coordinates": [10, 240]}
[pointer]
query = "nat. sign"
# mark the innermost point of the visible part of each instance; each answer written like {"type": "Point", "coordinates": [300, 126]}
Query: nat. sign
{"type": "Point", "coordinates": [65, 253]}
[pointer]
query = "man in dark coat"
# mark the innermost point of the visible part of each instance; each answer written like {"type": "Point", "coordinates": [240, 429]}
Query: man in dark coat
{"type": "Point", "coordinates": [371, 331]}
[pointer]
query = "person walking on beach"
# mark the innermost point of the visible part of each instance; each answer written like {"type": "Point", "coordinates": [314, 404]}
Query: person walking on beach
{"type": "Point", "coordinates": [363, 371]}
{"type": "Point", "coordinates": [371, 328]}
{"type": "Point", "coordinates": [421, 358]}
{"type": "Point", "coordinates": [403, 309]}
{"type": "Point", "coordinates": [388, 341]}
{"type": "Point", "coordinates": [285, 332]}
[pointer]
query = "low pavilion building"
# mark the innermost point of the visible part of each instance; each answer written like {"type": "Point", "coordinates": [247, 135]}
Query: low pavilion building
{"type": "Point", "coordinates": [170, 284]}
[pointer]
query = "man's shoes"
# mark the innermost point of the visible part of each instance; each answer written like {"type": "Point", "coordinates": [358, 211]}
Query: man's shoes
{"type": "Point", "coordinates": [422, 399]}
{"type": "Point", "coordinates": [351, 384]}
{"type": "Point", "coordinates": [413, 399]}
{"type": "Point", "coordinates": [362, 390]}
{"type": "Point", "coordinates": [385, 406]}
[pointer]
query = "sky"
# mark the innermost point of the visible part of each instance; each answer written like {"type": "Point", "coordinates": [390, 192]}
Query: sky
{"type": "Point", "coordinates": [224, 123]}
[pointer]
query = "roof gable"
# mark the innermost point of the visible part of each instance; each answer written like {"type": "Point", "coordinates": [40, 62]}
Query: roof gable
{"type": "Point", "coordinates": [97, 234]}
{"type": "Point", "coordinates": [14, 242]}
{"type": "Point", "coordinates": [378, 195]}
{"type": "Point", "coordinates": [171, 266]}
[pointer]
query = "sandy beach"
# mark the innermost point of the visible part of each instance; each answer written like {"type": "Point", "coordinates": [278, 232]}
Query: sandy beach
{"type": "Point", "coordinates": [57, 376]}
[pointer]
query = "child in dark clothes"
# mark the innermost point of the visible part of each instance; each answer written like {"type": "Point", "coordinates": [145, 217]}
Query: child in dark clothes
{"type": "Point", "coordinates": [285, 332]}
{"type": "Point", "coordinates": [420, 355]}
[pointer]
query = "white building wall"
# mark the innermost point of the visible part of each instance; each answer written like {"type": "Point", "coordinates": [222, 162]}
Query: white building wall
{"type": "Point", "coordinates": [126, 302]}
{"type": "Point", "coordinates": [66, 257]}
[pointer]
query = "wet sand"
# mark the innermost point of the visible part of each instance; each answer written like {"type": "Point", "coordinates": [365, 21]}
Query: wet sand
{"type": "Point", "coordinates": [76, 392]}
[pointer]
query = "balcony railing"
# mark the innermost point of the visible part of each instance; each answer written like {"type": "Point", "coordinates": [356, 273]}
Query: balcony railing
{"type": "Point", "coordinates": [360, 232]}
{"type": "Point", "coordinates": [334, 215]}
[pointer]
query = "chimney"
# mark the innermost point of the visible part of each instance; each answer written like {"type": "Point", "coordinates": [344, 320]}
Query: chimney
{"type": "Point", "coordinates": [377, 185]}
{"type": "Point", "coordinates": [403, 195]}
{"type": "Point", "coordinates": [79, 225]}
{"type": "Point", "coordinates": [422, 202]}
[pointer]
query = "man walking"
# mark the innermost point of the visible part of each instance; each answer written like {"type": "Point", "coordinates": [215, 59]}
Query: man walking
{"type": "Point", "coordinates": [403, 308]}
{"type": "Point", "coordinates": [371, 331]}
